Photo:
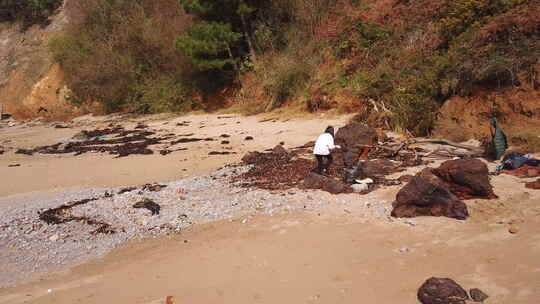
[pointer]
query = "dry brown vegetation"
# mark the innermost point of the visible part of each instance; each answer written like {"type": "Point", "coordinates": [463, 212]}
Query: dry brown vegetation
{"type": "Point", "coordinates": [395, 62]}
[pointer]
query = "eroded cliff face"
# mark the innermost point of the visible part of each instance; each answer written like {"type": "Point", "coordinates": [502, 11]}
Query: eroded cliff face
{"type": "Point", "coordinates": [31, 85]}
{"type": "Point", "coordinates": [516, 109]}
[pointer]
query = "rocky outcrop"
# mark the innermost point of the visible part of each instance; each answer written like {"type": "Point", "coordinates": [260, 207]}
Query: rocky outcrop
{"type": "Point", "coordinates": [351, 138]}
{"type": "Point", "coordinates": [427, 195]}
{"type": "Point", "coordinates": [517, 110]}
{"type": "Point", "coordinates": [439, 192]}
{"type": "Point", "coordinates": [441, 291]}
{"type": "Point", "coordinates": [466, 178]}
{"type": "Point", "coordinates": [31, 84]}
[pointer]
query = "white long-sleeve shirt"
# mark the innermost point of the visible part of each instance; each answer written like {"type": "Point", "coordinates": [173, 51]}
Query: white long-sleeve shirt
{"type": "Point", "coordinates": [324, 144]}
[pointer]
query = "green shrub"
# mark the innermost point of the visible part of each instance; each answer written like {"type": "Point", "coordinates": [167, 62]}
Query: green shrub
{"type": "Point", "coordinates": [121, 53]}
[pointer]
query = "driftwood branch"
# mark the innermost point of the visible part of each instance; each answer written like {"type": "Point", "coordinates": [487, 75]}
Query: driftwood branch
{"type": "Point", "coordinates": [475, 150]}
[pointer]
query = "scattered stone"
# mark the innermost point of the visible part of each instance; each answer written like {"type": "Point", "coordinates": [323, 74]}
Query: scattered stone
{"type": "Point", "coordinates": [513, 230]}
{"type": "Point", "coordinates": [225, 142]}
{"type": "Point", "coordinates": [441, 291]}
{"type": "Point", "coordinates": [249, 138]}
{"type": "Point", "coordinates": [165, 152]}
{"type": "Point", "coordinates": [148, 204]}
{"type": "Point", "coordinates": [14, 165]}
{"type": "Point", "coordinates": [225, 135]}
{"type": "Point", "coordinates": [404, 250]}
{"type": "Point", "coordinates": [478, 295]}
{"type": "Point", "coordinates": [427, 195]}
{"type": "Point", "coordinates": [59, 126]}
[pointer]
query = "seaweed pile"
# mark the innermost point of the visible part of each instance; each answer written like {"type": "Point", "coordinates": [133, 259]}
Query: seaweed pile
{"type": "Point", "coordinates": [62, 214]}
{"type": "Point", "coordinates": [114, 140]}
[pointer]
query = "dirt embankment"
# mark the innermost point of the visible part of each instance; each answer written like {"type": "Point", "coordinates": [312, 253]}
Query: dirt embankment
{"type": "Point", "coordinates": [517, 110]}
{"type": "Point", "coordinates": [32, 85]}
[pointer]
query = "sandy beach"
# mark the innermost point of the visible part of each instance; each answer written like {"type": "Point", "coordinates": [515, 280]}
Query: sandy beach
{"type": "Point", "coordinates": [217, 242]}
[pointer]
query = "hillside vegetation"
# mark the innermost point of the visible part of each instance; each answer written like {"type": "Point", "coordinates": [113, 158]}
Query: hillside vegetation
{"type": "Point", "coordinates": [395, 62]}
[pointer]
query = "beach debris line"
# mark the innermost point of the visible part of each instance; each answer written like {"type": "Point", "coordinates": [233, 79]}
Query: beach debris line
{"type": "Point", "coordinates": [62, 215]}
{"type": "Point", "coordinates": [148, 204]}
{"type": "Point", "coordinates": [117, 141]}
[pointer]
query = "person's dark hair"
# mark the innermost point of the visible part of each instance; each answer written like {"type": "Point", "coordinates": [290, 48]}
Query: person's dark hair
{"type": "Point", "coordinates": [329, 130]}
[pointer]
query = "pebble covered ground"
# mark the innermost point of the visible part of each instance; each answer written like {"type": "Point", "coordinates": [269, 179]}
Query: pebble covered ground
{"type": "Point", "coordinates": [30, 246]}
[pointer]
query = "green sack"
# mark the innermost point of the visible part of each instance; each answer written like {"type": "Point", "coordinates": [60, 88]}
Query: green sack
{"type": "Point", "coordinates": [498, 140]}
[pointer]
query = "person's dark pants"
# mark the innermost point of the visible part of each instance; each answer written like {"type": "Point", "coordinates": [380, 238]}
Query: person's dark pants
{"type": "Point", "coordinates": [323, 163]}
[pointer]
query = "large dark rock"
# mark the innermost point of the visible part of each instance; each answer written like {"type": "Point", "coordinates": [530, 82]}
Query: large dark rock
{"type": "Point", "coordinates": [441, 291]}
{"type": "Point", "coordinates": [317, 181]}
{"type": "Point", "coordinates": [351, 138]}
{"type": "Point", "coordinates": [378, 168]}
{"type": "Point", "coordinates": [427, 195]}
{"type": "Point", "coordinates": [467, 178]}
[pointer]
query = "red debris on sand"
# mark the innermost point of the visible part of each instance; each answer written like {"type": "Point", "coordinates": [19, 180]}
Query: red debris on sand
{"type": "Point", "coordinates": [525, 171]}
{"type": "Point", "coordinates": [533, 185]}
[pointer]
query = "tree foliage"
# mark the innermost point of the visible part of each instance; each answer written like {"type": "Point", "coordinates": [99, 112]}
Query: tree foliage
{"type": "Point", "coordinates": [28, 12]}
{"type": "Point", "coordinates": [208, 44]}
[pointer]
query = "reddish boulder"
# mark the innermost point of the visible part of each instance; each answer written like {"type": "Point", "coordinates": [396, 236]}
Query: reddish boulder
{"type": "Point", "coordinates": [377, 168]}
{"type": "Point", "coordinates": [428, 195]}
{"type": "Point", "coordinates": [351, 138]}
{"type": "Point", "coordinates": [328, 184]}
{"type": "Point", "coordinates": [441, 291]}
{"type": "Point", "coordinates": [466, 178]}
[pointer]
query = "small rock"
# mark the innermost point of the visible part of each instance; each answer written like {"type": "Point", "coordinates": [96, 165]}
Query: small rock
{"type": "Point", "coordinates": [410, 222]}
{"type": "Point", "coordinates": [477, 295]}
{"type": "Point", "coordinates": [513, 229]}
{"type": "Point", "coordinates": [404, 249]}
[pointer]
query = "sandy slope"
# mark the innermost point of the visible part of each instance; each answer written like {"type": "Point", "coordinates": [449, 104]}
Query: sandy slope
{"type": "Point", "coordinates": [305, 259]}
{"type": "Point", "coordinates": [331, 255]}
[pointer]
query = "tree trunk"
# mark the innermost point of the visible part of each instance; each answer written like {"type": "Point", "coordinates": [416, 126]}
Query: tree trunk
{"type": "Point", "coordinates": [248, 39]}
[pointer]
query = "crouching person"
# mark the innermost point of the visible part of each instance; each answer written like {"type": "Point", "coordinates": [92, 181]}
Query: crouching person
{"type": "Point", "coordinates": [323, 150]}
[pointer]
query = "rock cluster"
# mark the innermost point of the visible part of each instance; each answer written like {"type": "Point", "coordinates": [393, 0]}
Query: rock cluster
{"type": "Point", "coordinates": [439, 192]}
